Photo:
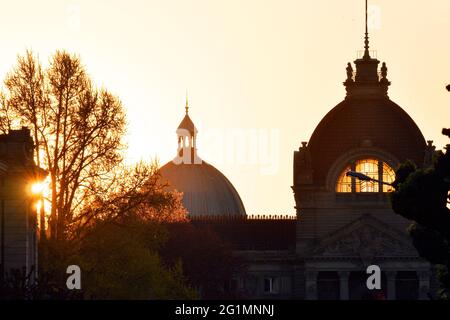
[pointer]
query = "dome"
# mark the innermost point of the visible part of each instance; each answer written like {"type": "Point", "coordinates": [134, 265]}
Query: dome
{"type": "Point", "coordinates": [361, 121]}
{"type": "Point", "coordinates": [206, 191]}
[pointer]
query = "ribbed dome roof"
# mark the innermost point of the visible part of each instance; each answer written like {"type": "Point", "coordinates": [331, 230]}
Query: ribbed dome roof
{"type": "Point", "coordinates": [206, 191]}
{"type": "Point", "coordinates": [378, 120]}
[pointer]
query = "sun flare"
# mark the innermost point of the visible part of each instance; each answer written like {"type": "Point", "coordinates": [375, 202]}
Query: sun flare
{"type": "Point", "coordinates": [37, 188]}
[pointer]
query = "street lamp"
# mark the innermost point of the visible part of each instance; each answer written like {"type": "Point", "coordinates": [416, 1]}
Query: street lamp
{"type": "Point", "coordinates": [363, 177]}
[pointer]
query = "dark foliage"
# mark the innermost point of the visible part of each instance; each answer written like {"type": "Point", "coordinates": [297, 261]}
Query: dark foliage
{"type": "Point", "coordinates": [422, 195]}
{"type": "Point", "coordinates": [208, 261]}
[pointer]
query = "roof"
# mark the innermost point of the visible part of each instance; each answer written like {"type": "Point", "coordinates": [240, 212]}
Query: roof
{"type": "Point", "coordinates": [245, 233]}
{"type": "Point", "coordinates": [346, 126]}
{"type": "Point", "coordinates": [187, 124]}
{"type": "Point", "coordinates": [206, 191]}
{"type": "Point", "coordinates": [276, 233]}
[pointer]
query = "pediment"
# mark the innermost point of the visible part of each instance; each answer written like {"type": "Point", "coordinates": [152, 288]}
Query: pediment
{"type": "Point", "coordinates": [366, 238]}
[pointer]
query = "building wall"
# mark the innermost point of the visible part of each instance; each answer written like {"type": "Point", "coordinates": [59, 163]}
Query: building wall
{"type": "Point", "coordinates": [339, 235]}
{"type": "Point", "coordinates": [18, 223]}
{"type": "Point", "coordinates": [269, 274]}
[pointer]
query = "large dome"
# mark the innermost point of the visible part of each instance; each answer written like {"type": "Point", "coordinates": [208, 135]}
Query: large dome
{"type": "Point", "coordinates": [377, 121]}
{"type": "Point", "coordinates": [206, 191]}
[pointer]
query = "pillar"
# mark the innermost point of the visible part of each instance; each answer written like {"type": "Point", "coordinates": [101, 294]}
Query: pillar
{"type": "Point", "coordinates": [343, 285]}
{"type": "Point", "coordinates": [391, 284]}
{"type": "Point", "coordinates": [311, 285]}
{"type": "Point", "coordinates": [424, 284]}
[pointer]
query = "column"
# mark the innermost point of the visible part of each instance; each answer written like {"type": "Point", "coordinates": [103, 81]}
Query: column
{"type": "Point", "coordinates": [391, 279]}
{"type": "Point", "coordinates": [343, 285]}
{"type": "Point", "coordinates": [424, 284]}
{"type": "Point", "coordinates": [311, 285]}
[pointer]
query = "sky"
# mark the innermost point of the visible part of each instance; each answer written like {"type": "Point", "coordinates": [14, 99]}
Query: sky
{"type": "Point", "coordinates": [260, 74]}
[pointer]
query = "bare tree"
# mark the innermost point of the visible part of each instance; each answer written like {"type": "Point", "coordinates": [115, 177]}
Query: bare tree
{"type": "Point", "coordinates": [130, 192]}
{"type": "Point", "coordinates": [26, 99]}
{"type": "Point", "coordinates": [77, 129]}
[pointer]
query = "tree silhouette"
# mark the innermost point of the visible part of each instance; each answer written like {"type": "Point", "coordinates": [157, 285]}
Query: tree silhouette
{"type": "Point", "coordinates": [123, 230]}
{"type": "Point", "coordinates": [76, 127]}
{"type": "Point", "coordinates": [422, 195]}
{"type": "Point", "coordinates": [98, 205]}
{"type": "Point", "coordinates": [117, 242]}
{"type": "Point", "coordinates": [208, 261]}
{"type": "Point", "coordinates": [120, 260]}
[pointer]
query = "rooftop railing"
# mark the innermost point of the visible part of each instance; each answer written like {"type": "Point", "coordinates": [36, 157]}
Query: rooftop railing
{"type": "Point", "coordinates": [243, 218]}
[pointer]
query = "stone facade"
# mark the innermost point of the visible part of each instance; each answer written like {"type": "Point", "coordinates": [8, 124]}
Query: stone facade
{"type": "Point", "coordinates": [345, 225]}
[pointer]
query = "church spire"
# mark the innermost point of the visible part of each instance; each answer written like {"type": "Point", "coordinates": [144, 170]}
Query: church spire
{"type": "Point", "coordinates": [366, 40]}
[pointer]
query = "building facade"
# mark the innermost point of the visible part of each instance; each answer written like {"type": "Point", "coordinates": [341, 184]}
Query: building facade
{"type": "Point", "coordinates": [343, 224]}
{"type": "Point", "coordinates": [18, 222]}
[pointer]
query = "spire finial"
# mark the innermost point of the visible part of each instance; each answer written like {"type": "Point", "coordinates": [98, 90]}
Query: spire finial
{"type": "Point", "coordinates": [187, 103]}
{"type": "Point", "coordinates": [366, 40]}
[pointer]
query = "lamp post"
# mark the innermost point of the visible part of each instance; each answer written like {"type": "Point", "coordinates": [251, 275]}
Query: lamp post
{"type": "Point", "coordinates": [363, 177]}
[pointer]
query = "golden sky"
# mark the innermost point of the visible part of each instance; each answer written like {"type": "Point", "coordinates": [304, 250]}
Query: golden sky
{"type": "Point", "coordinates": [266, 71]}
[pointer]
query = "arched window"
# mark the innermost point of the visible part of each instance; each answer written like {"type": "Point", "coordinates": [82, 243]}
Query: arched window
{"type": "Point", "coordinates": [370, 168]}
{"type": "Point", "coordinates": [374, 168]}
{"type": "Point", "coordinates": [344, 182]}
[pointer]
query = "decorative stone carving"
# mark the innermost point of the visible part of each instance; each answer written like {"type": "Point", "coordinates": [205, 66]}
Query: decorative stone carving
{"type": "Point", "coordinates": [349, 70]}
{"type": "Point", "coordinates": [366, 142]}
{"type": "Point", "coordinates": [430, 150]}
{"type": "Point", "coordinates": [367, 242]}
{"type": "Point", "coordinates": [384, 70]}
{"type": "Point", "coordinates": [303, 165]}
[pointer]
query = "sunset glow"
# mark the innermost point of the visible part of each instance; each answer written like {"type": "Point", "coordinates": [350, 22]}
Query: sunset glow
{"type": "Point", "coordinates": [214, 158]}
{"type": "Point", "coordinates": [250, 65]}
{"type": "Point", "coordinates": [37, 188]}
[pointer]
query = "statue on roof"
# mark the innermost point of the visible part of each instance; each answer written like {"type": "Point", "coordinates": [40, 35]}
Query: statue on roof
{"type": "Point", "coordinates": [349, 72]}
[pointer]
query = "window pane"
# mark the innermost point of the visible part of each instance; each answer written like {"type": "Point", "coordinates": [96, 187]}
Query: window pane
{"type": "Point", "coordinates": [388, 176]}
{"type": "Point", "coordinates": [369, 167]}
{"type": "Point", "coordinates": [344, 183]}
{"type": "Point", "coordinates": [372, 168]}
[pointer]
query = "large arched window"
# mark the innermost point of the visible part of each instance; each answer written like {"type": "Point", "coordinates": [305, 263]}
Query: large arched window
{"type": "Point", "coordinates": [371, 167]}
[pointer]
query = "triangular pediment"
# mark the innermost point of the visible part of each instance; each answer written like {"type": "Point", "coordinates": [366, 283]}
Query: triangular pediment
{"type": "Point", "coordinates": [366, 238]}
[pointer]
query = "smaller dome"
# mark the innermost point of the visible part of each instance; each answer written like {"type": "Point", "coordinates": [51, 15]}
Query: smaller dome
{"type": "Point", "coordinates": [206, 191]}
